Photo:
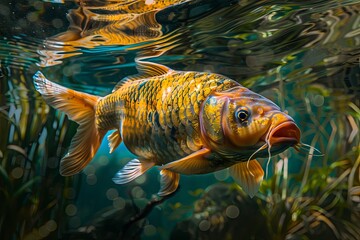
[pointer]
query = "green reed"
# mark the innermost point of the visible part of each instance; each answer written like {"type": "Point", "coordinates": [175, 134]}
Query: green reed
{"type": "Point", "coordinates": [32, 140]}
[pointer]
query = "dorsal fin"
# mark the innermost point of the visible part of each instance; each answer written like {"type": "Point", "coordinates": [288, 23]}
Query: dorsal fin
{"type": "Point", "coordinates": [146, 70]}
{"type": "Point", "coordinates": [151, 69]}
{"type": "Point", "coordinates": [122, 82]}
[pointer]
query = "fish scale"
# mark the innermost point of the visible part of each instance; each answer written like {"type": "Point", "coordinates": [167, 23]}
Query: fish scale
{"type": "Point", "coordinates": [160, 114]}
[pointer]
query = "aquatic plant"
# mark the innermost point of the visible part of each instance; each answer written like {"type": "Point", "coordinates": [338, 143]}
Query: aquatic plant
{"type": "Point", "coordinates": [30, 147]}
{"type": "Point", "coordinates": [325, 207]}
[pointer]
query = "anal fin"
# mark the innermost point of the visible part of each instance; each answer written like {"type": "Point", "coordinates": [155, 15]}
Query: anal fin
{"type": "Point", "coordinates": [169, 182]}
{"type": "Point", "coordinates": [132, 170]}
{"type": "Point", "coordinates": [195, 163]}
{"type": "Point", "coordinates": [248, 175]}
{"type": "Point", "coordinates": [114, 140]}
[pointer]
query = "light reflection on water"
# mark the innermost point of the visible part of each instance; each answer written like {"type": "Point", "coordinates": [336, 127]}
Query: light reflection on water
{"type": "Point", "coordinates": [303, 55]}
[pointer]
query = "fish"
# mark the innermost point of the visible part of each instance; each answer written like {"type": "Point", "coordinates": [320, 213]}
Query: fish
{"type": "Point", "coordinates": [183, 122]}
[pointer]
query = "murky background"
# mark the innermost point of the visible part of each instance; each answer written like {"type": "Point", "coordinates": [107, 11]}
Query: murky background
{"type": "Point", "coordinates": [304, 55]}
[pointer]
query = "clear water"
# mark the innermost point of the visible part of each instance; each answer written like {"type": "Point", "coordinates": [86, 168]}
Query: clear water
{"type": "Point", "coordinates": [302, 55]}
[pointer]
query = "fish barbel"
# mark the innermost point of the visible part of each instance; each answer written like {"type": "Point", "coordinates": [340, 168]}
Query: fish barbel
{"type": "Point", "coordinates": [183, 122]}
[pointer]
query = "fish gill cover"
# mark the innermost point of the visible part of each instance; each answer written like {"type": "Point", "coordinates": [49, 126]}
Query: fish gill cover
{"type": "Point", "coordinates": [304, 56]}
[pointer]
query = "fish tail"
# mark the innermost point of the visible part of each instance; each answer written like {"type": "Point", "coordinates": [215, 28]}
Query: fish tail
{"type": "Point", "coordinates": [79, 107]}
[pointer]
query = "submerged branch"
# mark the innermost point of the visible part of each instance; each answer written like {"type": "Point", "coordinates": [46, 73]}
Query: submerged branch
{"type": "Point", "coordinates": [144, 212]}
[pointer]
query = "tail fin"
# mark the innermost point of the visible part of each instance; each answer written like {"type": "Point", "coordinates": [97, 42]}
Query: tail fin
{"type": "Point", "coordinates": [79, 107]}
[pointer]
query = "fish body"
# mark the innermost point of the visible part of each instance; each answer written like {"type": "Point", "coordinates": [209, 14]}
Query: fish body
{"type": "Point", "coordinates": [159, 116]}
{"type": "Point", "coordinates": [183, 122]}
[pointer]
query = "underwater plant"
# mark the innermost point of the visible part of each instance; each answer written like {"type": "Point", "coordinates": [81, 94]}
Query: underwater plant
{"type": "Point", "coordinates": [30, 145]}
{"type": "Point", "coordinates": [325, 207]}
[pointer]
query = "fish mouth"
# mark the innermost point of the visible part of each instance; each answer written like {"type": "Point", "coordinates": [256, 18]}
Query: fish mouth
{"type": "Point", "coordinates": [285, 133]}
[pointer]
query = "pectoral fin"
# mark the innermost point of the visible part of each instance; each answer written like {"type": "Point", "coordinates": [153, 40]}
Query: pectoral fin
{"type": "Point", "coordinates": [248, 176]}
{"type": "Point", "coordinates": [132, 170]}
{"type": "Point", "coordinates": [169, 182]}
{"type": "Point", "coordinates": [114, 140]}
{"type": "Point", "coordinates": [195, 163]}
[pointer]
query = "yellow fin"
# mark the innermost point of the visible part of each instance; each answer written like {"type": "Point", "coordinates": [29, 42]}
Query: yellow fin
{"type": "Point", "coordinates": [114, 140]}
{"type": "Point", "coordinates": [146, 70]}
{"type": "Point", "coordinates": [79, 107]}
{"type": "Point", "coordinates": [195, 163]}
{"type": "Point", "coordinates": [132, 170]}
{"type": "Point", "coordinates": [169, 182]}
{"type": "Point", "coordinates": [151, 69]}
{"type": "Point", "coordinates": [248, 175]}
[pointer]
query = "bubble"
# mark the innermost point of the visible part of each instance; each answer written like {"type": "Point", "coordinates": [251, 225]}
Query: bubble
{"type": "Point", "coordinates": [71, 210]}
{"type": "Point", "coordinates": [32, 16]}
{"type": "Point", "coordinates": [57, 23]}
{"type": "Point", "coordinates": [43, 231]}
{"type": "Point", "coordinates": [112, 193]}
{"type": "Point", "coordinates": [215, 220]}
{"type": "Point", "coordinates": [17, 172]}
{"type": "Point", "coordinates": [67, 71]}
{"type": "Point", "coordinates": [91, 179]}
{"type": "Point", "coordinates": [76, 68]}
{"type": "Point", "coordinates": [232, 211]}
{"type": "Point", "coordinates": [222, 175]}
{"type": "Point", "coordinates": [318, 100]}
{"type": "Point", "coordinates": [38, 5]}
{"type": "Point", "coordinates": [141, 179]}
{"type": "Point", "coordinates": [149, 230]}
{"type": "Point", "coordinates": [204, 225]}
{"type": "Point", "coordinates": [89, 170]}
{"type": "Point", "coordinates": [119, 203]}
{"type": "Point", "coordinates": [51, 225]}
{"type": "Point", "coordinates": [137, 192]}
{"type": "Point", "coordinates": [103, 161]}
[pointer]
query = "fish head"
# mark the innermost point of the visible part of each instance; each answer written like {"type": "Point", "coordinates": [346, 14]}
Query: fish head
{"type": "Point", "coordinates": [238, 122]}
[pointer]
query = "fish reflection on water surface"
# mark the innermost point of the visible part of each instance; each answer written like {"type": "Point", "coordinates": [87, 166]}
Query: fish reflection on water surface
{"type": "Point", "coordinates": [183, 122]}
{"type": "Point", "coordinates": [106, 23]}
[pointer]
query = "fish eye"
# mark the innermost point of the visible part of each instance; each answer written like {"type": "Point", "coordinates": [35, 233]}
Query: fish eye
{"type": "Point", "coordinates": [242, 115]}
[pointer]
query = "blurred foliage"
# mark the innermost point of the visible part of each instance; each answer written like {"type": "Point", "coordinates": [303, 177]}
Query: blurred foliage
{"type": "Point", "coordinates": [327, 206]}
{"type": "Point", "coordinates": [33, 139]}
{"type": "Point", "coordinates": [324, 206]}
